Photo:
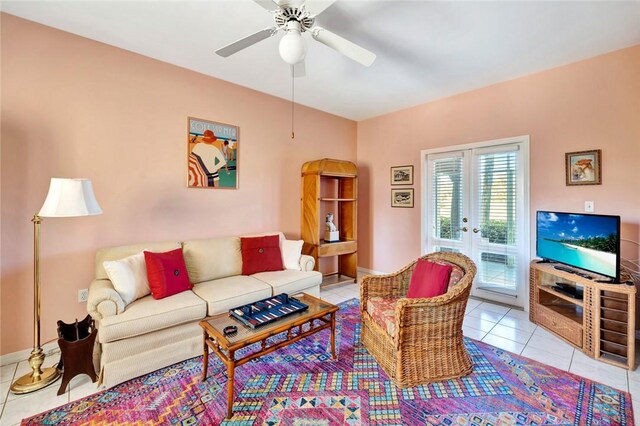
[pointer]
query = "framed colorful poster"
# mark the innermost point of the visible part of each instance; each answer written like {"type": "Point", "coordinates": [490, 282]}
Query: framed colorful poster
{"type": "Point", "coordinates": [583, 168]}
{"type": "Point", "coordinates": [212, 150]}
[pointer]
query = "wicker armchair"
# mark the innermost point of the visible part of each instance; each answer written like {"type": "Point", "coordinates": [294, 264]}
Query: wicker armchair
{"type": "Point", "coordinates": [422, 340]}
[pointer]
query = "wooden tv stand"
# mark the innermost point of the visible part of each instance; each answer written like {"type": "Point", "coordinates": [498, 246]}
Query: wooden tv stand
{"type": "Point", "coordinates": [601, 324]}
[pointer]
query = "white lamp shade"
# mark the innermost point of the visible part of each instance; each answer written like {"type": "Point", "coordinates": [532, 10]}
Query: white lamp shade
{"type": "Point", "coordinates": [70, 197]}
{"type": "Point", "coordinates": [292, 47]}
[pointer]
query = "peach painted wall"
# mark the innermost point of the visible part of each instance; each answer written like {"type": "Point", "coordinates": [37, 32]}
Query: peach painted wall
{"type": "Point", "coordinates": [592, 104]}
{"type": "Point", "coordinates": [72, 107]}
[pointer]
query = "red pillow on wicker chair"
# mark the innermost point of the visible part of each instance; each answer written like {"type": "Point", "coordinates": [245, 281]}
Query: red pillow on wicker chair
{"type": "Point", "coordinates": [429, 279]}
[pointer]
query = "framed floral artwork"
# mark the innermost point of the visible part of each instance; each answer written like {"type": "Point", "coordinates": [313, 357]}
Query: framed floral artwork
{"type": "Point", "coordinates": [583, 168]}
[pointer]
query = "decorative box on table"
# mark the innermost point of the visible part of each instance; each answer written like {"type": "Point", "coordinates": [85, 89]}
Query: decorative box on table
{"type": "Point", "coordinates": [267, 310]}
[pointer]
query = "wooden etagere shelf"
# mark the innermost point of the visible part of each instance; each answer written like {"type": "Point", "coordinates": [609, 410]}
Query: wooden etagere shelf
{"type": "Point", "coordinates": [601, 323]}
{"type": "Point", "coordinates": [342, 178]}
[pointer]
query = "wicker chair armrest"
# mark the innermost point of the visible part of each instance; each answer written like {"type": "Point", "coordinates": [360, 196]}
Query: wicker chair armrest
{"type": "Point", "coordinates": [395, 284]}
{"type": "Point", "coordinates": [391, 285]}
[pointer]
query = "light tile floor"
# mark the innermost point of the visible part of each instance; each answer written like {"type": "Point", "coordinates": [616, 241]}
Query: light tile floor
{"type": "Point", "coordinates": [497, 325]}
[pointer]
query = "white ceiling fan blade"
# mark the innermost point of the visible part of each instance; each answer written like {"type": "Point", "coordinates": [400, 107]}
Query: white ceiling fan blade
{"type": "Point", "coordinates": [316, 7]}
{"type": "Point", "coordinates": [268, 4]}
{"type": "Point", "coordinates": [344, 46]}
{"type": "Point", "coordinates": [299, 69]}
{"type": "Point", "coordinates": [245, 42]}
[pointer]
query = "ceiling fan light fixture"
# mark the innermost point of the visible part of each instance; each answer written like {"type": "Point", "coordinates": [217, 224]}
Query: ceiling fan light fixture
{"type": "Point", "coordinates": [292, 47]}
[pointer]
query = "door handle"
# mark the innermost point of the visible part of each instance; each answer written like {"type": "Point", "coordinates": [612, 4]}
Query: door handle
{"type": "Point", "coordinates": [464, 229]}
{"type": "Point", "coordinates": [465, 220]}
{"type": "Point", "coordinates": [475, 230]}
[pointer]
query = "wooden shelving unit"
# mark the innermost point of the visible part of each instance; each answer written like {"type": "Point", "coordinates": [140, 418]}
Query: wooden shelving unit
{"type": "Point", "coordinates": [601, 324]}
{"type": "Point", "coordinates": [340, 178]}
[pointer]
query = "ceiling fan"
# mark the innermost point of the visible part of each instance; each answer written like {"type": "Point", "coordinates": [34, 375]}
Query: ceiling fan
{"type": "Point", "coordinates": [295, 17]}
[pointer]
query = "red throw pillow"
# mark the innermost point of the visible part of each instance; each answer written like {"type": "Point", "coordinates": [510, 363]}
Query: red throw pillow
{"type": "Point", "coordinates": [167, 273]}
{"type": "Point", "coordinates": [261, 254]}
{"type": "Point", "coordinates": [429, 279]}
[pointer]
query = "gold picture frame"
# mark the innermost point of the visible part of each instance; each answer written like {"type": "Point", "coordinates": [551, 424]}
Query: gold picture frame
{"type": "Point", "coordinates": [402, 197]}
{"type": "Point", "coordinates": [402, 175]}
{"type": "Point", "coordinates": [583, 167]}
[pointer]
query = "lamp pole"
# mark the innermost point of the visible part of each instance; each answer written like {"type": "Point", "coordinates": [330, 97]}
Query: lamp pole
{"type": "Point", "coordinates": [38, 378]}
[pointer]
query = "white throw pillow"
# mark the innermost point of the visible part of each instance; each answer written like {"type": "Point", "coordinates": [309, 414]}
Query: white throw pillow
{"type": "Point", "coordinates": [291, 251]}
{"type": "Point", "coordinates": [129, 277]}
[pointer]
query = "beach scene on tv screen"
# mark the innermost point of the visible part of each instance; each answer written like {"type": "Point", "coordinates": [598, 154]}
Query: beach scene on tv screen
{"type": "Point", "coordinates": [588, 242]}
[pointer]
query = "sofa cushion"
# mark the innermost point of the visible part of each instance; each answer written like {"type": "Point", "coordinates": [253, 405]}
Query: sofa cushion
{"type": "Point", "coordinates": [289, 281]}
{"type": "Point", "coordinates": [167, 273]}
{"type": "Point", "coordinates": [261, 254]}
{"type": "Point", "coordinates": [120, 252]}
{"type": "Point", "coordinates": [212, 259]}
{"type": "Point", "coordinates": [227, 293]}
{"type": "Point", "coordinates": [148, 314]}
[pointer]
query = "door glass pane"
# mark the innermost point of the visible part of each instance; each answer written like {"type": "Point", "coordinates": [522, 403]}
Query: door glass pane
{"type": "Point", "coordinates": [447, 198]}
{"type": "Point", "coordinates": [443, 249]}
{"type": "Point", "coordinates": [497, 202]}
{"type": "Point", "coordinates": [498, 270]}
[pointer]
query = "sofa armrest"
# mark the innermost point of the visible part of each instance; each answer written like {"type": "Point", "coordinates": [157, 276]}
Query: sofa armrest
{"type": "Point", "coordinates": [103, 300]}
{"type": "Point", "coordinates": [307, 263]}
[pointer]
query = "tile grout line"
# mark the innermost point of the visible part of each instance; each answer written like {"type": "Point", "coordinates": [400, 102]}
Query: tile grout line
{"type": "Point", "coordinates": [513, 328]}
{"type": "Point", "coordinates": [571, 361]}
{"type": "Point", "coordinates": [6, 399]}
{"type": "Point", "coordinates": [528, 340]}
{"type": "Point", "coordinates": [495, 335]}
{"type": "Point", "coordinates": [494, 324]}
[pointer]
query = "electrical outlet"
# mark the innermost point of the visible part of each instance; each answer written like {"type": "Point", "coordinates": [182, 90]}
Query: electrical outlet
{"type": "Point", "coordinates": [83, 295]}
{"type": "Point", "coordinates": [588, 206]}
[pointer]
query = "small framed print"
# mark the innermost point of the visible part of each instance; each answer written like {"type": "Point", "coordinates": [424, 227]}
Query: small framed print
{"type": "Point", "coordinates": [583, 168]}
{"type": "Point", "coordinates": [402, 175]}
{"type": "Point", "coordinates": [402, 197]}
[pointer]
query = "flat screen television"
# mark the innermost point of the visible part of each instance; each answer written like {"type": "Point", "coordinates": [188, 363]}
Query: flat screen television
{"type": "Point", "coordinates": [586, 241]}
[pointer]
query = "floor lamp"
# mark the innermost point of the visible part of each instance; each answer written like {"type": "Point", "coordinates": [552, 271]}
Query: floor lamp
{"type": "Point", "coordinates": [66, 198]}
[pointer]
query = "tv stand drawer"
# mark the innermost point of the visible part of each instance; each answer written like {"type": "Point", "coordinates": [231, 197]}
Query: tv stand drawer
{"type": "Point", "coordinates": [560, 325]}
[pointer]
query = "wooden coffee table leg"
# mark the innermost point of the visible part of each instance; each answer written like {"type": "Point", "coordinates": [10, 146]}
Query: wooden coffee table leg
{"type": "Point", "coordinates": [230, 372]}
{"type": "Point", "coordinates": [333, 335]}
{"type": "Point", "coordinates": [205, 357]}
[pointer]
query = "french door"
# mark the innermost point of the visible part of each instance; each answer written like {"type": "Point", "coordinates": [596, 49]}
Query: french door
{"type": "Point", "coordinates": [475, 201]}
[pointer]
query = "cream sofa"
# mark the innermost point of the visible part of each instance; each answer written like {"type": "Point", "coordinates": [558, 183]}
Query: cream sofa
{"type": "Point", "coordinates": [149, 334]}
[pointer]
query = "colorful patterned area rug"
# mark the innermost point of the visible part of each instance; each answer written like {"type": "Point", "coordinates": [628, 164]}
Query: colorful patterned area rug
{"type": "Point", "coordinates": [302, 385]}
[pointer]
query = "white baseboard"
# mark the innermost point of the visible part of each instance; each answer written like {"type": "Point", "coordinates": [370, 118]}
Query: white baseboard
{"type": "Point", "coordinates": [369, 271]}
{"type": "Point", "coordinates": [49, 348]}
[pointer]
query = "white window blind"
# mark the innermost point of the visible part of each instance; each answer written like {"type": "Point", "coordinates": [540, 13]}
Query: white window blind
{"type": "Point", "coordinates": [447, 193]}
{"type": "Point", "coordinates": [497, 216]}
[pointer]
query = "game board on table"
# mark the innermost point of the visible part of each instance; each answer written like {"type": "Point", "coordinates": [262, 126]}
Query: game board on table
{"type": "Point", "coordinates": [267, 310]}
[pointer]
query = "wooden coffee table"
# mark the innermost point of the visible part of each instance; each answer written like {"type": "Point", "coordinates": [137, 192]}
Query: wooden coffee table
{"type": "Point", "coordinates": [319, 316]}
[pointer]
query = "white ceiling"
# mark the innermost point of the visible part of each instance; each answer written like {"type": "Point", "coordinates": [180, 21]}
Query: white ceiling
{"type": "Point", "coordinates": [425, 50]}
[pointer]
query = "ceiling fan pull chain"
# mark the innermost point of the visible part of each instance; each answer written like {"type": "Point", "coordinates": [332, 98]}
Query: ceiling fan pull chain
{"type": "Point", "coordinates": [293, 135]}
